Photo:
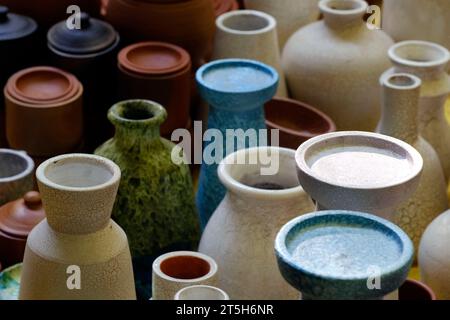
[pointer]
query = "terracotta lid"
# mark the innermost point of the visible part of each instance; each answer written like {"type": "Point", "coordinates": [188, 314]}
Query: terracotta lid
{"type": "Point", "coordinates": [14, 26]}
{"type": "Point", "coordinates": [151, 58]}
{"type": "Point", "coordinates": [94, 36]}
{"type": "Point", "coordinates": [222, 6]}
{"type": "Point", "coordinates": [17, 218]}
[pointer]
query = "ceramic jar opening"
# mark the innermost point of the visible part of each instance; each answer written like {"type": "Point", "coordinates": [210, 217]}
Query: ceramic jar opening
{"type": "Point", "coordinates": [419, 54]}
{"type": "Point", "coordinates": [342, 13]}
{"type": "Point", "coordinates": [137, 113]}
{"type": "Point", "coordinates": [401, 81]}
{"type": "Point", "coordinates": [14, 165]}
{"type": "Point", "coordinates": [246, 22]}
{"type": "Point", "coordinates": [201, 292]}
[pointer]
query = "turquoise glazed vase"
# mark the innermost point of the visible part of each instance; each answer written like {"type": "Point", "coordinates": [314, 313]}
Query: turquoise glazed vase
{"type": "Point", "coordinates": [155, 202]}
{"type": "Point", "coordinates": [236, 91]}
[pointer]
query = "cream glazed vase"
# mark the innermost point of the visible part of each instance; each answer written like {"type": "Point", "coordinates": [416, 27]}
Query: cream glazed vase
{"type": "Point", "coordinates": [263, 194]}
{"type": "Point", "coordinates": [401, 94]}
{"type": "Point", "coordinates": [249, 34]}
{"type": "Point", "coordinates": [78, 252]}
{"type": "Point", "coordinates": [335, 65]}
{"type": "Point", "coordinates": [428, 61]}
{"type": "Point", "coordinates": [291, 15]}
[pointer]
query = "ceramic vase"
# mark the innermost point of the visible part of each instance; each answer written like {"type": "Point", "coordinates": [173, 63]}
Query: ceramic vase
{"type": "Point", "coordinates": [189, 24]}
{"type": "Point", "coordinates": [201, 292]}
{"type": "Point", "coordinates": [16, 175]}
{"type": "Point", "coordinates": [417, 20]}
{"type": "Point", "coordinates": [401, 93]}
{"type": "Point", "coordinates": [78, 252]}
{"type": "Point", "coordinates": [244, 225]}
{"type": "Point", "coordinates": [155, 203]}
{"type": "Point", "coordinates": [351, 60]}
{"type": "Point", "coordinates": [249, 34]}
{"type": "Point", "coordinates": [291, 15]}
{"type": "Point", "coordinates": [174, 271]}
{"type": "Point", "coordinates": [434, 256]}
{"type": "Point", "coordinates": [236, 91]}
{"type": "Point", "coordinates": [428, 61]}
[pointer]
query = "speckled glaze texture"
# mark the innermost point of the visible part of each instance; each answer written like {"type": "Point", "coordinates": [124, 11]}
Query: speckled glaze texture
{"type": "Point", "coordinates": [241, 232]}
{"type": "Point", "coordinates": [155, 203]}
{"type": "Point", "coordinates": [401, 94]}
{"type": "Point", "coordinates": [241, 107]}
{"type": "Point", "coordinates": [434, 256]}
{"type": "Point", "coordinates": [346, 64]}
{"type": "Point", "coordinates": [337, 283]}
{"type": "Point", "coordinates": [16, 174]}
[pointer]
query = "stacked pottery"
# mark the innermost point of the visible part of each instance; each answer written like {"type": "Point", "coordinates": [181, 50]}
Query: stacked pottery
{"type": "Point", "coordinates": [155, 204]}
{"type": "Point", "coordinates": [428, 61]}
{"type": "Point", "coordinates": [259, 183]}
{"type": "Point", "coordinates": [291, 15]}
{"type": "Point", "coordinates": [400, 107]}
{"type": "Point", "coordinates": [78, 252]}
{"type": "Point", "coordinates": [334, 65]}
{"type": "Point", "coordinates": [90, 54]}
{"type": "Point", "coordinates": [187, 23]}
{"type": "Point", "coordinates": [159, 72]}
{"type": "Point", "coordinates": [17, 219]}
{"type": "Point", "coordinates": [222, 6]}
{"type": "Point", "coordinates": [44, 113]}
{"type": "Point", "coordinates": [249, 34]}
{"type": "Point", "coordinates": [236, 91]}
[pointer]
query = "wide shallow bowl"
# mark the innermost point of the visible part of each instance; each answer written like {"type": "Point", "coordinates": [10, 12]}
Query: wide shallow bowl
{"type": "Point", "coordinates": [10, 282]}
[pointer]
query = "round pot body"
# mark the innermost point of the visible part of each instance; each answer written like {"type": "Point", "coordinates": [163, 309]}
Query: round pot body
{"type": "Point", "coordinates": [352, 58]}
{"type": "Point", "coordinates": [244, 224]}
{"type": "Point", "coordinates": [155, 204]}
{"type": "Point", "coordinates": [291, 15]}
{"type": "Point", "coordinates": [78, 252]}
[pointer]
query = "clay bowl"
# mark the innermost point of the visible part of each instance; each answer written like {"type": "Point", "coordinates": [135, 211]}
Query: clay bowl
{"type": "Point", "coordinates": [296, 121]}
{"type": "Point", "coordinates": [415, 290]}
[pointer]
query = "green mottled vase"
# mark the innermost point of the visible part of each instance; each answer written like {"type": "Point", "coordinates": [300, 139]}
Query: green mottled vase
{"type": "Point", "coordinates": [155, 203]}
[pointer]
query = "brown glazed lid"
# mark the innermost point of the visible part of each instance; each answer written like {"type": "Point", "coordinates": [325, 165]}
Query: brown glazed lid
{"type": "Point", "coordinates": [18, 217]}
{"type": "Point", "coordinates": [154, 58]}
{"type": "Point", "coordinates": [14, 26]}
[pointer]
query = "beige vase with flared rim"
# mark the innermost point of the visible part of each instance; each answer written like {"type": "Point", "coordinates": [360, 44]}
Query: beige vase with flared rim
{"type": "Point", "coordinates": [334, 65]}
{"type": "Point", "coordinates": [263, 194]}
{"type": "Point", "coordinates": [401, 93]}
{"type": "Point", "coordinates": [249, 34]}
{"type": "Point", "coordinates": [78, 252]}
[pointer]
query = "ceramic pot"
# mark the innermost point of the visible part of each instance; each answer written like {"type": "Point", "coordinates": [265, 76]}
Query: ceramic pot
{"type": "Point", "coordinates": [189, 24]}
{"type": "Point", "coordinates": [44, 95]}
{"type": "Point", "coordinates": [155, 71]}
{"type": "Point", "coordinates": [78, 238]}
{"type": "Point", "coordinates": [296, 122]}
{"type": "Point", "coordinates": [417, 20]}
{"type": "Point", "coordinates": [244, 225]}
{"type": "Point", "coordinates": [155, 204]}
{"type": "Point", "coordinates": [222, 6]}
{"type": "Point", "coordinates": [415, 290]}
{"type": "Point", "coordinates": [90, 54]}
{"type": "Point", "coordinates": [201, 292]}
{"type": "Point", "coordinates": [16, 175]}
{"type": "Point", "coordinates": [17, 218]}
{"type": "Point", "coordinates": [10, 282]}
{"type": "Point", "coordinates": [434, 256]}
{"type": "Point", "coordinates": [249, 34]}
{"type": "Point", "coordinates": [291, 15]}
{"type": "Point", "coordinates": [334, 255]}
{"type": "Point", "coordinates": [236, 91]}
{"type": "Point", "coordinates": [351, 60]}
{"type": "Point", "coordinates": [401, 93]}
{"type": "Point", "coordinates": [176, 270]}
{"type": "Point", "coordinates": [352, 170]}
{"type": "Point", "coordinates": [428, 61]}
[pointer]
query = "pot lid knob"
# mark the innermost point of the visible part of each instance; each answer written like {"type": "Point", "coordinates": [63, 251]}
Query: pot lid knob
{"type": "Point", "coordinates": [3, 13]}
{"type": "Point", "coordinates": [85, 20]}
{"type": "Point", "coordinates": [33, 200]}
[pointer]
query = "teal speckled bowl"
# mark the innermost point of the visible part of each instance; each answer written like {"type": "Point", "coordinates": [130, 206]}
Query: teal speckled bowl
{"type": "Point", "coordinates": [10, 282]}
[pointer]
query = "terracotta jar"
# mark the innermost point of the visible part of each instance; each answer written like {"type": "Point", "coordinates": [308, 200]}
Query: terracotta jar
{"type": "Point", "coordinates": [334, 65]}
{"type": "Point", "coordinates": [222, 6]}
{"type": "Point", "coordinates": [159, 72]}
{"type": "Point", "coordinates": [189, 24]}
{"type": "Point", "coordinates": [416, 291]}
{"type": "Point", "coordinates": [90, 54]}
{"type": "Point", "coordinates": [78, 252]}
{"type": "Point", "coordinates": [401, 94]}
{"type": "Point", "coordinates": [428, 61]}
{"type": "Point", "coordinates": [296, 122]}
{"type": "Point", "coordinates": [249, 34]}
{"type": "Point", "coordinates": [291, 15]}
{"type": "Point", "coordinates": [44, 113]}
{"type": "Point", "coordinates": [17, 218]}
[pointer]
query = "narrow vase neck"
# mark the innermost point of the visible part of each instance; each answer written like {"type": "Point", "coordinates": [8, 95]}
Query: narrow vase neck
{"type": "Point", "coordinates": [141, 136]}
{"type": "Point", "coordinates": [341, 15]}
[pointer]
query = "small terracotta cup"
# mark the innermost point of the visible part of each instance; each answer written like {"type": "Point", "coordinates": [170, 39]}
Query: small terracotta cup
{"type": "Point", "coordinates": [296, 121]}
{"type": "Point", "coordinates": [201, 292]}
{"type": "Point", "coordinates": [44, 111]}
{"type": "Point", "coordinates": [222, 6]}
{"type": "Point", "coordinates": [159, 72]}
{"type": "Point", "coordinates": [176, 270]}
{"type": "Point", "coordinates": [415, 290]}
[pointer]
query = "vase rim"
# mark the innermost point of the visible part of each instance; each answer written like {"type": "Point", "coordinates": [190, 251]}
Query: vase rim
{"type": "Point", "coordinates": [355, 7]}
{"type": "Point", "coordinates": [153, 112]}
{"type": "Point", "coordinates": [406, 81]}
{"type": "Point", "coordinates": [419, 47]}
{"type": "Point", "coordinates": [269, 22]}
{"type": "Point", "coordinates": [20, 154]}
{"type": "Point", "coordinates": [217, 291]}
